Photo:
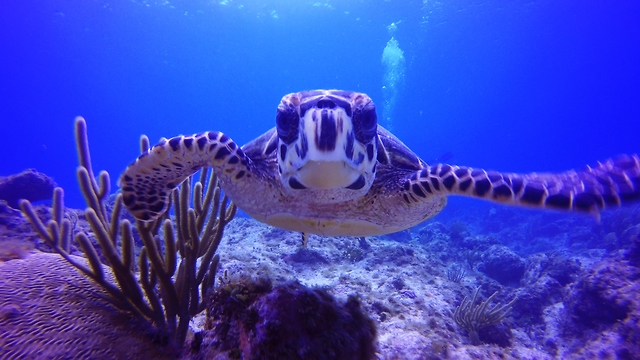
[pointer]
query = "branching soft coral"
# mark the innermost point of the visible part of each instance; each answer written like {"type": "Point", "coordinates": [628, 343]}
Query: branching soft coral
{"type": "Point", "coordinates": [472, 317]}
{"type": "Point", "coordinates": [169, 287]}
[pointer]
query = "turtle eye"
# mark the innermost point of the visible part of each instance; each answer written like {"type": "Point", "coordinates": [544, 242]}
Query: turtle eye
{"type": "Point", "coordinates": [287, 123]}
{"type": "Point", "coordinates": [365, 123]}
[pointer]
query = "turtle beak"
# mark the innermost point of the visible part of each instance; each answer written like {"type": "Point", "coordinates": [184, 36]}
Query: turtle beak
{"type": "Point", "coordinates": [327, 175]}
{"type": "Point", "coordinates": [329, 163]}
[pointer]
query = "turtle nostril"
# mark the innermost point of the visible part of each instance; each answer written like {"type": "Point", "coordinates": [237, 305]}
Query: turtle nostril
{"type": "Point", "coordinates": [325, 104]}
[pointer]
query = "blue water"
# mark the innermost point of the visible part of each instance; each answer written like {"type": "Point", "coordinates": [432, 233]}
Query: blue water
{"type": "Point", "coordinates": [505, 85]}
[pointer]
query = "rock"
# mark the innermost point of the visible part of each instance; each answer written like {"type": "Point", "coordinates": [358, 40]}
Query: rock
{"type": "Point", "coordinates": [502, 265]}
{"type": "Point", "coordinates": [633, 253]}
{"type": "Point", "coordinates": [602, 312]}
{"type": "Point", "coordinates": [288, 321]}
{"type": "Point", "coordinates": [306, 256]}
{"type": "Point", "coordinates": [604, 295]}
{"type": "Point", "coordinates": [29, 184]}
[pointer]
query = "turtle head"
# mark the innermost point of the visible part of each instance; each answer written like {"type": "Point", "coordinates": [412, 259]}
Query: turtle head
{"type": "Point", "coordinates": [327, 143]}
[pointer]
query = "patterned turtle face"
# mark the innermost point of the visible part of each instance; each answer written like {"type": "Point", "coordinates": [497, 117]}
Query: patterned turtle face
{"type": "Point", "coordinates": [327, 144]}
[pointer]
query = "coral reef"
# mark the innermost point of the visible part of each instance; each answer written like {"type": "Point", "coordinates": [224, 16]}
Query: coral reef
{"type": "Point", "coordinates": [289, 321]}
{"type": "Point", "coordinates": [404, 289]}
{"type": "Point", "coordinates": [29, 184]}
{"type": "Point", "coordinates": [15, 228]}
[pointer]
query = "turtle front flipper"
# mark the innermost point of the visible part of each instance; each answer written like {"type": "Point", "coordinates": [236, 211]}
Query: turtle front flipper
{"type": "Point", "coordinates": [609, 183]}
{"type": "Point", "coordinates": [147, 183]}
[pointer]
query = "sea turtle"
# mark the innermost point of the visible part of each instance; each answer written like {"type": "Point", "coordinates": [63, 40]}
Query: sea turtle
{"type": "Point", "coordinates": [328, 168]}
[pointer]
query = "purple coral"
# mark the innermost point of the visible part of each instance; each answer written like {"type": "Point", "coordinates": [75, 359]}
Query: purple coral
{"type": "Point", "coordinates": [289, 321]}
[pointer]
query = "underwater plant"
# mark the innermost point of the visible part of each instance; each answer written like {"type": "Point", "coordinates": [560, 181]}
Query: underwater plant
{"type": "Point", "coordinates": [170, 285]}
{"type": "Point", "coordinates": [472, 317]}
{"type": "Point", "coordinates": [456, 273]}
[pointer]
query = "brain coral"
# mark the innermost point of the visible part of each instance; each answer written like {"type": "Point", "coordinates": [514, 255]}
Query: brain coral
{"type": "Point", "coordinates": [49, 310]}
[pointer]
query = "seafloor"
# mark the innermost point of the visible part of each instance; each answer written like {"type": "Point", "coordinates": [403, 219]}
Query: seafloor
{"type": "Point", "coordinates": [575, 279]}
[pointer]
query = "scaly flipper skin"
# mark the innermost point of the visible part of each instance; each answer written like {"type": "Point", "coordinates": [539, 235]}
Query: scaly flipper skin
{"type": "Point", "coordinates": [608, 184]}
{"type": "Point", "coordinates": [148, 182]}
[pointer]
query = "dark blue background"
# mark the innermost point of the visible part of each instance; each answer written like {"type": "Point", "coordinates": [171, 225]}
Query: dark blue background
{"type": "Point", "coordinates": [505, 85]}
